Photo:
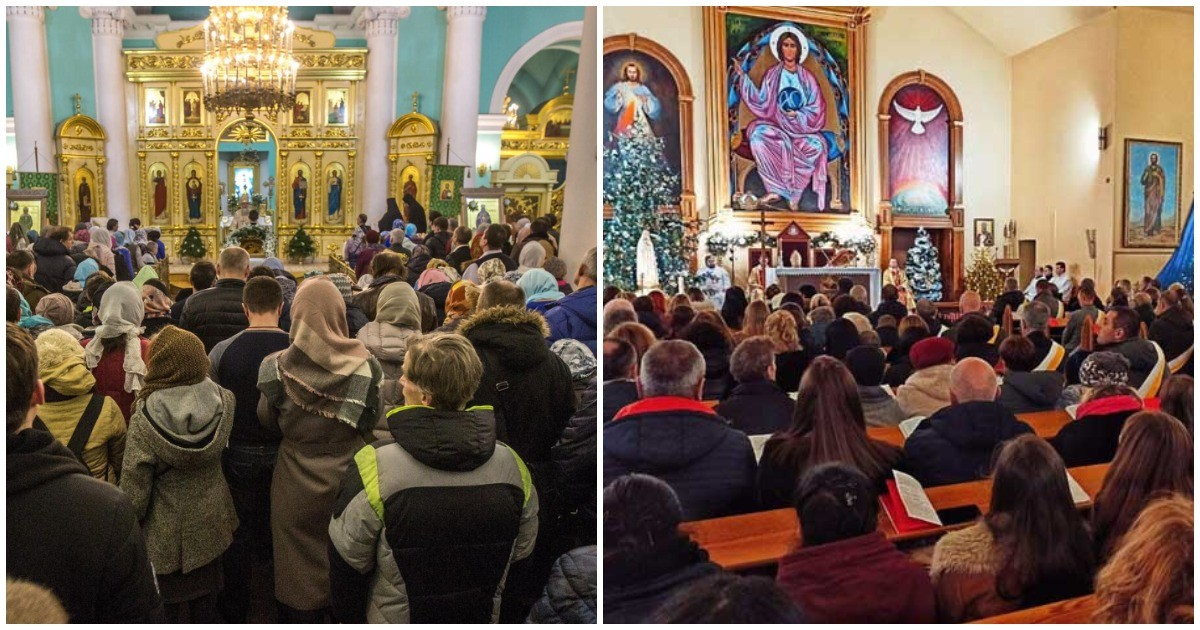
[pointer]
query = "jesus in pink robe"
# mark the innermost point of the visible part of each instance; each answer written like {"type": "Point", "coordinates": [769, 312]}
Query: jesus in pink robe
{"type": "Point", "coordinates": [785, 136]}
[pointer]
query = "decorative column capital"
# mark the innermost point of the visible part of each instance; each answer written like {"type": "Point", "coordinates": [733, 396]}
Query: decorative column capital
{"type": "Point", "coordinates": [107, 20]}
{"type": "Point", "coordinates": [381, 20]}
{"type": "Point", "coordinates": [469, 13]}
{"type": "Point", "coordinates": [37, 13]}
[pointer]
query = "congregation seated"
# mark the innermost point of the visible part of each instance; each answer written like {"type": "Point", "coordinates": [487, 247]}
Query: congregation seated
{"type": "Point", "coordinates": [1086, 299]}
{"type": "Point", "coordinates": [728, 598]}
{"type": "Point", "coordinates": [910, 330]}
{"type": "Point", "coordinates": [755, 405]}
{"type": "Point", "coordinates": [1011, 298]}
{"type": "Point", "coordinates": [1092, 438]}
{"type": "Point", "coordinates": [956, 443]}
{"type": "Point", "coordinates": [890, 304]}
{"type": "Point", "coordinates": [1173, 328]}
{"type": "Point", "coordinates": [1035, 326]}
{"type": "Point", "coordinates": [1178, 399]}
{"type": "Point", "coordinates": [888, 330]}
{"type": "Point", "coordinates": [1046, 297]}
{"type": "Point", "coordinates": [710, 336]}
{"type": "Point", "coordinates": [1118, 332]}
{"type": "Point", "coordinates": [880, 408]}
{"type": "Point", "coordinates": [618, 311]}
{"type": "Point", "coordinates": [713, 469]}
{"type": "Point", "coordinates": [1026, 388]}
{"type": "Point", "coordinates": [1143, 305]}
{"type": "Point", "coordinates": [827, 425]}
{"type": "Point", "coordinates": [968, 303]}
{"type": "Point", "coordinates": [791, 358]}
{"type": "Point", "coordinates": [620, 376]}
{"type": "Point", "coordinates": [927, 389]}
{"type": "Point", "coordinates": [846, 571]}
{"type": "Point", "coordinates": [973, 338]}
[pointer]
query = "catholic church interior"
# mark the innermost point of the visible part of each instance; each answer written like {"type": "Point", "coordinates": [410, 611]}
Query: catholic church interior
{"type": "Point", "coordinates": [1022, 131]}
{"type": "Point", "coordinates": [129, 113]}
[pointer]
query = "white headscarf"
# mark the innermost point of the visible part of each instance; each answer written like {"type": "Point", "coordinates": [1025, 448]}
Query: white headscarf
{"type": "Point", "coordinates": [100, 247]}
{"type": "Point", "coordinates": [532, 257]}
{"type": "Point", "coordinates": [121, 313]}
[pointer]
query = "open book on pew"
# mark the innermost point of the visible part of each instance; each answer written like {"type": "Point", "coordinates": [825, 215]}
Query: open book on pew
{"type": "Point", "coordinates": [908, 426]}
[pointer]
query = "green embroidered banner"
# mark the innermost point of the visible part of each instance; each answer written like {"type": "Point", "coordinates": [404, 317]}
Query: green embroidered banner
{"type": "Point", "coordinates": [445, 195]}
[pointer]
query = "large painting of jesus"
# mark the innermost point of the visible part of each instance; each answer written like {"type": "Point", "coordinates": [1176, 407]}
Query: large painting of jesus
{"type": "Point", "coordinates": [641, 99]}
{"type": "Point", "coordinates": [786, 106]}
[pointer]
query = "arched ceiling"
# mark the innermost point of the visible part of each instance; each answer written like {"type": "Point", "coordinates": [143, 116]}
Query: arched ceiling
{"type": "Point", "coordinates": [542, 77]}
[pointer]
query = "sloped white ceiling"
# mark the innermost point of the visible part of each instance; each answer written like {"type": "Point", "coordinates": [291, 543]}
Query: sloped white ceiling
{"type": "Point", "coordinates": [1014, 30]}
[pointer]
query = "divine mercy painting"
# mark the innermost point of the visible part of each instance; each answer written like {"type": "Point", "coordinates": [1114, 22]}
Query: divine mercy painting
{"type": "Point", "coordinates": [1152, 191]}
{"type": "Point", "coordinates": [788, 106]}
{"type": "Point", "coordinates": [641, 100]}
{"type": "Point", "coordinates": [918, 152]}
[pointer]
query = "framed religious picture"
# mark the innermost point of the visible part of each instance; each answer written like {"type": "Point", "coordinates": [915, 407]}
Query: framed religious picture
{"type": "Point", "coordinates": [335, 182]}
{"type": "Point", "coordinates": [1152, 212]}
{"type": "Point", "coordinates": [410, 183]}
{"type": "Point", "coordinates": [481, 207]}
{"type": "Point", "coordinates": [157, 184]}
{"type": "Point", "coordinates": [193, 107]}
{"type": "Point", "coordinates": [156, 106]}
{"type": "Point", "coordinates": [193, 192]}
{"type": "Point", "coordinates": [26, 213]}
{"type": "Point", "coordinates": [446, 192]}
{"type": "Point", "coordinates": [300, 181]}
{"type": "Point", "coordinates": [302, 109]}
{"type": "Point", "coordinates": [336, 106]}
{"type": "Point", "coordinates": [786, 107]}
{"type": "Point", "coordinates": [985, 232]}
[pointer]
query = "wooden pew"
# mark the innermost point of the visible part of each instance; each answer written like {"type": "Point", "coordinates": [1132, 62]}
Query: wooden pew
{"type": "Point", "coordinates": [761, 538]}
{"type": "Point", "coordinates": [1078, 610]}
{"type": "Point", "coordinates": [1046, 424]}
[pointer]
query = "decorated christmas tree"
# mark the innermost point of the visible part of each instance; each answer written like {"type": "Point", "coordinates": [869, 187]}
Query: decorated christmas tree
{"type": "Point", "coordinates": [983, 277]}
{"type": "Point", "coordinates": [301, 246]}
{"type": "Point", "coordinates": [638, 181]}
{"type": "Point", "coordinates": [192, 245]}
{"type": "Point", "coordinates": [924, 272]}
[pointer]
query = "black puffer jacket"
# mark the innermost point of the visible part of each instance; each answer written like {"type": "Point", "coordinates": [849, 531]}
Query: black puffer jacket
{"type": "Point", "coordinates": [635, 585]}
{"type": "Point", "coordinates": [55, 267]}
{"type": "Point", "coordinates": [957, 444]}
{"type": "Point", "coordinates": [215, 314]}
{"type": "Point", "coordinates": [617, 394]}
{"type": "Point", "coordinates": [574, 459]}
{"type": "Point", "coordinates": [1174, 330]}
{"type": "Point", "coordinates": [527, 385]}
{"type": "Point", "coordinates": [570, 595]}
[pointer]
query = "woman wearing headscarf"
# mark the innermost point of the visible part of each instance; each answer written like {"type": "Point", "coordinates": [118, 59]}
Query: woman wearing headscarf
{"type": "Point", "coordinates": [417, 263]}
{"type": "Point", "coordinates": [117, 353]}
{"type": "Point", "coordinates": [541, 289]}
{"type": "Point", "coordinates": [436, 282]}
{"type": "Point", "coordinates": [355, 317]}
{"type": "Point", "coordinates": [491, 269]}
{"type": "Point", "coordinates": [322, 395]}
{"type": "Point", "coordinates": [83, 271]}
{"type": "Point", "coordinates": [158, 310]}
{"type": "Point", "coordinates": [531, 258]}
{"type": "Point", "coordinates": [397, 322]}
{"type": "Point", "coordinates": [60, 310]}
{"type": "Point", "coordinates": [460, 304]}
{"type": "Point", "coordinates": [172, 475]}
{"type": "Point", "coordinates": [414, 213]}
{"type": "Point", "coordinates": [100, 248]}
{"type": "Point", "coordinates": [70, 396]}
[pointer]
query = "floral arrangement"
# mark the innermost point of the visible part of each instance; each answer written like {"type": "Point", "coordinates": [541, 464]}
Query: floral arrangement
{"type": "Point", "coordinates": [253, 231]}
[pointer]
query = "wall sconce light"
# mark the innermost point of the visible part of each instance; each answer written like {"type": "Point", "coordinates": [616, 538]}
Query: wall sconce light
{"type": "Point", "coordinates": [1104, 137]}
{"type": "Point", "coordinates": [482, 169]}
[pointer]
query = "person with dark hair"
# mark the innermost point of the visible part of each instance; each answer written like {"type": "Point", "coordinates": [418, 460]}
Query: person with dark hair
{"type": "Point", "coordinates": [844, 285]}
{"type": "Point", "coordinates": [910, 330]}
{"type": "Point", "coordinates": [1173, 330]}
{"type": "Point", "coordinates": [1099, 420]}
{"type": "Point", "coordinates": [368, 252]}
{"type": "Point", "coordinates": [1031, 548]}
{"type": "Point", "coordinates": [438, 242]}
{"type": "Point", "coordinates": [866, 365]}
{"type": "Point", "coordinates": [202, 275]}
{"type": "Point", "coordinates": [846, 571]}
{"type": "Point", "coordinates": [1012, 298]}
{"type": "Point", "coordinates": [1026, 389]}
{"type": "Point", "coordinates": [928, 311]}
{"type": "Point", "coordinates": [713, 470]}
{"type": "Point", "coordinates": [715, 346]}
{"type": "Point", "coordinates": [157, 248]}
{"type": "Point", "coordinates": [755, 405]}
{"type": "Point", "coordinates": [248, 461]}
{"type": "Point", "coordinates": [23, 267]}
{"type": "Point", "coordinates": [53, 497]}
{"type": "Point", "coordinates": [494, 239]}
{"type": "Point", "coordinates": [955, 444]}
{"type": "Point", "coordinates": [1154, 457]}
{"type": "Point", "coordinates": [646, 558]}
{"type": "Point", "coordinates": [973, 335]}
{"type": "Point", "coordinates": [1046, 296]}
{"type": "Point", "coordinates": [539, 232]}
{"type": "Point", "coordinates": [462, 248]}
{"type": "Point", "coordinates": [733, 309]}
{"type": "Point", "coordinates": [889, 304]}
{"type": "Point", "coordinates": [644, 307]}
{"type": "Point", "coordinates": [1073, 333]}
{"type": "Point", "coordinates": [1177, 399]}
{"type": "Point", "coordinates": [217, 314]}
{"type": "Point", "coordinates": [1118, 331]}
{"type": "Point", "coordinates": [620, 376]}
{"type": "Point", "coordinates": [54, 265]}
{"type": "Point", "coordinates": [827, 425]}
{"type": "Point", "coordinates": [730, 598]}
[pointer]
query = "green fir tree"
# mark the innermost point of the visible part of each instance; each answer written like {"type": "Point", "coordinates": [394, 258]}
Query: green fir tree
{"type": "Point", "coordinates": [301, 246]}
{"type": "Point", "coordinates": [192, 245]}
{"type": "Point", "coordinates": [923, 270]}
{"type": "Point", "coordinates": [983, 277]}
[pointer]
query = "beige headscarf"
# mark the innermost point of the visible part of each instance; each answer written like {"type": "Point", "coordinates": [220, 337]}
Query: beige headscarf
{"type": "Point", "coordinates": [532, 257]}
{"type": "Point", "coordinates": [100, 247]}
{"type": "Point", "coordinates": [121, 314]}
{"type": "Point", "coordinates": [399, 307]}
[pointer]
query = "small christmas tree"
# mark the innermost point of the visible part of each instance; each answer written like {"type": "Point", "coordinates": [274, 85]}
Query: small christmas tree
{"type": "Point", "coordinates": [192, 245]}
{"type": "Point", "coordinates": [301, 246]}
{"type": "Point", "coordinates": [923, 270]}
{"type": "Point", "coordinates": [983, 277]}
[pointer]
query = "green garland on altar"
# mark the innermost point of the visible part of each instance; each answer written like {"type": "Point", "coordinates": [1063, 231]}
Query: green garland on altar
{"type": "Point", "coordinates": [253, 231]}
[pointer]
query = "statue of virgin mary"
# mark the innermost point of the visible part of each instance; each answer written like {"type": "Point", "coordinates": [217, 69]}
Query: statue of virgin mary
{"type": "Point", "coordinates": [647, 265]}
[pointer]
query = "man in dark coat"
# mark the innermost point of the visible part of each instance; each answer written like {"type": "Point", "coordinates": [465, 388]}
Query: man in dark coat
{"type": "Point", "coordinates": [670, 434]}
{"type": "Point", "coordinates": [571, 591]}
{"type": "Point", "coordinates": [388, 267]}
{"type": "Point", "coordinates": [620, 376]}
{"type": "Point", "coordinates": [202, 276]}
{"type": "Point", "coordinates": [462, 248]}
{"type": "Point", "coordinates": [438, 243]}
{"type": "Point", "coordinates": [67, 531]}
{"type": "Point", "coordinates": [1072, 336]}
{"type": "Point", "coordinates": [574, 316]}
{"type": "Point", "coordinates": [956, 444]}
{"type": "Point", "coordinates": [1118, 332]}
{"type": "Point", "coordinates": [55, 267]}
{"type": "Point", "coordinates": [216, 314]}
{"type": "Point", "coordinates": [1012, 297]}
{"type": "Point", "coordinates": [756, 406]}
{"type": "Point", "coordinates": [1173, 329]}
{"type": "Point", "coordinates": [890, 304]}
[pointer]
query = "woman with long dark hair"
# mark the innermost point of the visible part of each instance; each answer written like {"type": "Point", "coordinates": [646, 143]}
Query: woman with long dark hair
{"type": "Point", "coordinates": [1032, 548]}
{"type": "Point", "coordinates": [1154, 456]}
{"type": "Point", "coordinates": [734, 307]}
{"type": "Point", "coordinates": [827, 426]}
{"type": "Point", "coordinates": [713, 342]}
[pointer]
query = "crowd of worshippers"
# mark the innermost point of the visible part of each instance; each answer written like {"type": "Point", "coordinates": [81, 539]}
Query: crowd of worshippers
{"type": "Point", "coordinates": [766, 404]}
{"type": "Point", "coordinates": [421, 448]}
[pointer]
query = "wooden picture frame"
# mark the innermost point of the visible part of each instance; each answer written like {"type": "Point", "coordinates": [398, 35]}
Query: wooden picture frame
{"type": "Point", "coordinates": [1137, 230]}
{"type": "Point", "coordinates": [984, 233]}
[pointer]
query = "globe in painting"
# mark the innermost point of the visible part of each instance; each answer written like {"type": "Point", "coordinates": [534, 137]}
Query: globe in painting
{"type": "Point", "coordinates": [790, 99]}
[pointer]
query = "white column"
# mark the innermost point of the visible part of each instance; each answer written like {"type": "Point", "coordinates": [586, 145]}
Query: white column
{"type": "Point", "coordinates": [580, 206]}
{"type": "Point", "coordinates": [380, 24]}
{"type": "Point", "coordinates": [31, 88]}
{"type": "Point", "coordinates": [108, 27]}
{"type": "Point", "coordinates": [460, 87]}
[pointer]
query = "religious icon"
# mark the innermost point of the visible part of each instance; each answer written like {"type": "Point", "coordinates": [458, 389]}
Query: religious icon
{"type": "Point", "coordinates": [335, 106]}
{"type": "Point", "coordinates": [26, 220]}
{"type": "Point", "coordinates": [300, 196]}
{"type": "Point", "coordinates": [1152, 193]}
{"type": "Point", "coordinates": [985, 232]}
{"type": "Point", "coordinates": [160, 195]}
{"type": "Point", "coordinates": [335, 195]}
{"type": "Point", "coordinates": [302, 110]}
{"type": "Point", "coordinates": [919, 154]}
{"type": "Point", "coordinates": [156, 106]}
{"type": "Point", "coordinates": [633, 103]}
{"type": "Point", "coordinates": [191, 107]}
{"type": "Point", "coordinates": [641, 103]}
{"type": "Point", "coordinates": [195, 189]}
{"type": "Point", "coordinates": [446, 190]}
{"type": "Point", "coordinates": [85, 200]}
{"type": "Point", "coordinates": [410, 187]}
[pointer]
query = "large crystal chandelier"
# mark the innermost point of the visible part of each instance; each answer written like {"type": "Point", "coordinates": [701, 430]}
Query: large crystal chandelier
{"type": "Point", "coordinates": [248, 61]}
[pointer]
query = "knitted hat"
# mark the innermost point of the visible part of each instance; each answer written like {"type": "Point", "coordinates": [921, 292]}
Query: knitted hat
{"type": "Point", "coordinates": [866, 363]}
{"type": "Point", "coordinates": [177, 358]}
{"type": "Point", "coordinates": [930, 352]}
{"type": "Point", "coordinates": [57, 308]}
{"type": "Point", "coordinates": [342, 282]}
{"type": "Point", "coordinates": [1101, 368]}
{"type": "Point", "coordinates": [577, 356]}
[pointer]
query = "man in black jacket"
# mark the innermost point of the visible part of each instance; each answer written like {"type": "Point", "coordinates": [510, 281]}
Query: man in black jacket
{"type": "Point", "coordinates": [216, 314]}
{"type": "Point", "coordinates": [620, 376]}
{"type": "Point", "coordinates": [462, 248]}
{"type": "Point", "coordinates": [438, 243]}
{"type": "Point", "coordinates": [202, 276]}
{"type": "Point", "coordinates": [1173, 329]}
{"type": "Point", "coordinates": [756, 406]}
{"type": "Point", "coordinates": [494, 239]}
{"type": "Point", "coordinates": [1012, 298]}
{"type": "Point", "coordinates": [67, 531]}
{"type": "Point", "coordinates": [889, 305]}
{"type": "Point", "coordinates": [55, 267]}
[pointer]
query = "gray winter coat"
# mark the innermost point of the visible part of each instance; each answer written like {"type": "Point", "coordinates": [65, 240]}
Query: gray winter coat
{"type": "Point", "coordinates": [1025, 392]}
{"type": "Point", "coordinates": [880, 409]}
{"type": "Point", "coordinates": [387, 343]}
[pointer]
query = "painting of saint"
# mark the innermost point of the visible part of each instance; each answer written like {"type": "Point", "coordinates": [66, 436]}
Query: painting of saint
{"type": "Point", "coordinates": [641, 101]}
{"type": "Point", "coordinates": [446, 190]}
{"type": "Point", "coordinates": [302, 110]}
{"type": "Point", "coordinates": [85, 200]}
{"type": "Point", "coordinates": [410, 187]}
{"type": "Point", "coordinates": [300, 196]}
{"type": "Point", "coordinates": [160, 195]}
{"type": "Point", "coordinates": [335, 195]}
{"type": "Point", "coordinates": [156, 106]}
{"type": "Point", "coordinates": [191, 107]}
{"type": "Point", "coordinates": [335, 106]}
{"type": "Point", "coordinates": [1152, 193]}
{"type": "Point", "coordinates": [195, 191]}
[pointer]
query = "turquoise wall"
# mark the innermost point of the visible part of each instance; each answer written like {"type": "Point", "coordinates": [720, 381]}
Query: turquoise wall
{"type": "Point", "coordinates": [420, 57]}
{"type": "Point", "coordinates": [69, 41]}
{"type": "Point", "coordinates": [505, 30]}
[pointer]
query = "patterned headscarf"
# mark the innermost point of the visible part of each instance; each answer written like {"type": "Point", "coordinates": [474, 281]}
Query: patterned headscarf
{"type": "Point", "coordinates": [461, 299]}
{"type": "Point", "coordinates": [491, 269]}
{"type": "Point", "coordinates": [177, 358]}
{"type": "Point", "coordinates": [157, 303]}
{"type": "Point", "coordinates": [431, 276]}
{"type": "Point", "coordinates": [121, 314]}
{"type": "Point", "coordinates": [343, 284]}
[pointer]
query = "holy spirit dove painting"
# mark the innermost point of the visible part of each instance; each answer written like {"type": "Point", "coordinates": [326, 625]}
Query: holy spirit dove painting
{"type": "Point", "coordinates": [919, 152]}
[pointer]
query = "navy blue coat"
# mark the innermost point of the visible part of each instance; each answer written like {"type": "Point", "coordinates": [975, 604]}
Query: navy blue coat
{"type": "Point", "coordinates": [757, 408]}
{"type": "Point", "coordinates": [957, 444]}
{"type": "Point", "coordinates": [574, 317]}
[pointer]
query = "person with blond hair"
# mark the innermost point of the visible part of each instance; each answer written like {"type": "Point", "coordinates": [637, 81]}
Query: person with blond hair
{"type": "Point", "coordinates": [1149, 578]}
{"type": "Point", "coordinates": [791, 359]}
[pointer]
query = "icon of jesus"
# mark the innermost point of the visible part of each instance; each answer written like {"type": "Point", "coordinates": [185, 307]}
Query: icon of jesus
{"type": "Point", "coordinates": [633, 103]}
